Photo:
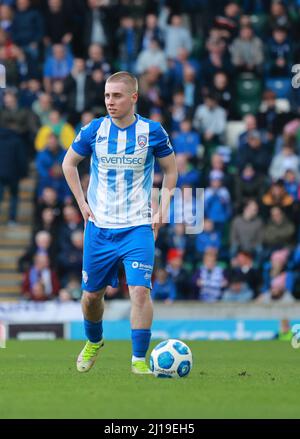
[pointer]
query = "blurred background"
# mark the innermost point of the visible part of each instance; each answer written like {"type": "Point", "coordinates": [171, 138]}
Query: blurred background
{"type": "Point", "coordinates": [218, 76]}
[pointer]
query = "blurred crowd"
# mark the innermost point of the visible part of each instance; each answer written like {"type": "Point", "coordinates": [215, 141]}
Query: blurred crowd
{"type": "Point", "coordinates": [203, 67]}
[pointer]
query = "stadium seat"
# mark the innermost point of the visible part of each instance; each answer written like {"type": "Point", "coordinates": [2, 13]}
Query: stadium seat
{"type": "Point", "coordinates": [233, 129]}
{"type": "Point", "coordinates": [248, 88]}
{"type": "Point", "coordinates": [280, 86]}
{"type": "Point", "coordinates": [259, 22]}
{"type": "Point", "coordinates": [246, 106]}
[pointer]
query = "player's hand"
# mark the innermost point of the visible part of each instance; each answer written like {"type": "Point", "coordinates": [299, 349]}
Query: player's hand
{"type": "Point", "coordinates": [86, 212]}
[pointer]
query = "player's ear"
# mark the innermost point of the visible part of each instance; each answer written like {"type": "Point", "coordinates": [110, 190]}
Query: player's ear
{"type": "Point", "coordinates": [134, 97]}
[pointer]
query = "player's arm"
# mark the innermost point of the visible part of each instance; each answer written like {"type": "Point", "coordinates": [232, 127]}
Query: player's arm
{"type": "Point", "coordinates": [70, 170]}
{"type": "Point", "coordinates": [169, 168]}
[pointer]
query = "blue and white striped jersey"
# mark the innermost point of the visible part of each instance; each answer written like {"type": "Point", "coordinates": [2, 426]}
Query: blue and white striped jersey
{"type": "Point", "coordinates": [122, 162]}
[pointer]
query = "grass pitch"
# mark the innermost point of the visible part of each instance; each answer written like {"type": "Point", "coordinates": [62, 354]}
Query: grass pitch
{"type": "Point", "coordinates": [229, 380]}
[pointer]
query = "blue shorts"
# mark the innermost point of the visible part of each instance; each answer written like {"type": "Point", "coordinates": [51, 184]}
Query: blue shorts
{"type": "Point", "coordinates": [104, 249]}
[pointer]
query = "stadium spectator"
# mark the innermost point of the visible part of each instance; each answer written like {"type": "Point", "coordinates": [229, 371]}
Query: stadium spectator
{"type": "Point", "coordinates": [42, 243]}
{"type": "Point", "coordinates": [48, 199]}
{"type": "Point", "coordinates": [247, 53]}
{"type": "Point", "coordinates": [187, 141]}
{"type": "Point", "coordinates": [42, 108]}
{"type": "Point", "coordinates": [291, 184]}
{"type": "Point", "coordinates": [210, 119]}
{"type": "Point", "coordinates": [216, 60]}
{"type": "Point", "coordinates": [246, 232]}
{"type": "Point", "coordinates": [279, 231]}
{"type": "Point", "coordinates": [40, 281]}
{"type": "Point", "coordinates": [178, 273]}
{"type": "Point", "coordinates": [176, 36]}
{"type": "Point", "coordinates": [69, 259]}
{"type": "Point", "coordinates": [72, 222]}
{"type": "Point", "coordinates": [277, 196]}
{"type": "Point", "coordinates": [15, 118]}
{"type": "Point", "coordinates": [76, 89]}
{"type": "Point", "coordinates": [57, 125]}
{"type": "Point", "coordinates": [279, 55]}
{"type": "Point", "coordinates": [127, 37]}
{"type": "Point", "coordinates": [277, 292]}
{"type": "Point", "coordinates": [27, 28]}
{"type": "Point", "coordinates": [249, 184]}
{"type": "Point", "coordinates": [274, 269]}
{"type": "Point", "coordinates": [237, 291]}
{"type": "Point", "coordinates": [96, 24]}
{"type": "Point", "coordinates": [13, 167]}
{"type": "Point", "coordinates": [209, 238]}
{"type": "Point", "coordinates": [254, 152]}
{"type": "Point", "coordinates": [6, 17]}
{"type": "Point", "coordinates": [96, 60]}
{"type": "Point", "coordinates": [163, 287]}
{"type": "Point", "coordinates": [243, 266]}
{"type": "Point", "coordinates": [209, 281]}
{"type": "Point", "coordinates": [217, 201]}
{"type": "Point", "coordinates": [285, 160]}
{"type": "Point", "coordinates": [222, 90]}
{"type": "Point", "coordinates": [151, 31]}
{"type": "Point", "coordinates": [58, 24]}
{"type": "Point", "coordinates": [58, 65]}
{"type": "Point", "coordinates": [153, 56]}
{"type": "Point", "coordinates": [48, 164]}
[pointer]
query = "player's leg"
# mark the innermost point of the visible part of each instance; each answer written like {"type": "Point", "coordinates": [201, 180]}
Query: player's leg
{"type": "Point", "coordinates": [141, 321]}
{"type": "Point", "coordinates": [93, 309]}
{"type": "Point", "coordinates": [99, 270]}
{"type": "Point", "coordinates": [138, 261]}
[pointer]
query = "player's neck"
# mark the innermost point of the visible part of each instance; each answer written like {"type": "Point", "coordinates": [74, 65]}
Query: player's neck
{"type": "Point", "coordinates": [125, 121]}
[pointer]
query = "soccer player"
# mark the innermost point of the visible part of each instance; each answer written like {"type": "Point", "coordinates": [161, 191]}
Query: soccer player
{"type": "Point", "coordinates": [119, 226]}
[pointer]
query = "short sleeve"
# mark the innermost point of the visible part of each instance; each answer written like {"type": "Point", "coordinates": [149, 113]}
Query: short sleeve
{"type": "Point", "coordinates": [161, 143]}
{"type": "Point", "coordinates": [82, 143]}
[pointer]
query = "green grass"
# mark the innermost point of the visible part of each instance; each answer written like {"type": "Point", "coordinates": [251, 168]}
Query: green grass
{"type": "Point", "coordinates": [229, 380]}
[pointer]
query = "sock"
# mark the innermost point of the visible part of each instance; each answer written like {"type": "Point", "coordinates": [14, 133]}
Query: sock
{"type": "Point", "coordinates": [93, 331]}
{"type": "Point", "coordinates": [134, 359]}
{"type": "Point", "coordinates": [140, 343]}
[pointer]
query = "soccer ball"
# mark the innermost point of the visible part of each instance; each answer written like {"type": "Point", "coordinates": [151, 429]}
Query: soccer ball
{"type": "Point", "coordinates": [171, 359]}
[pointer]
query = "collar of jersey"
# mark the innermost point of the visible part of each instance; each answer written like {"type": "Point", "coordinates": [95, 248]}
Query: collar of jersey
{"type": "Point", "coordinates": [126, 128]}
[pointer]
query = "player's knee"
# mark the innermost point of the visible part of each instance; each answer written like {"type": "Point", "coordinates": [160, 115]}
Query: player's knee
{"type": "Point", "coordinates": [140, 295]}
{"type": "Point", "coordinates": [89, 299]}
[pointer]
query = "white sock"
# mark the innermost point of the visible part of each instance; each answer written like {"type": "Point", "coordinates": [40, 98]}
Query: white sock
{"type": "Point", "coordinates": [134, 359]}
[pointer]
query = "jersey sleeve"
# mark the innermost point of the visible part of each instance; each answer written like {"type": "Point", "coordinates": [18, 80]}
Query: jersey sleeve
{"type": "Point", "coordinates": [82, 143]}
{"type": "Point", "coordinates": [161, 143]}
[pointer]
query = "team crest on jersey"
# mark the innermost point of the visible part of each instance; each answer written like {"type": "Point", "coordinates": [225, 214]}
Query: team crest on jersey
{"type": "Point", "coordinates": [142, 140]}
{"type": "Point", "coordinates": [85, 277]}
{"type": "Point", "coordinates": [78, 138]}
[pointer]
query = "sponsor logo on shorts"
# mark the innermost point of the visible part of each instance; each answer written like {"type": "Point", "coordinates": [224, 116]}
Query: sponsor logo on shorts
{"type": "Point", "coordinates": [147, 276]}
{"type": "Point", "coordinates": [85, 277]}
{"type": "Point", "coordinates": [142, 266]}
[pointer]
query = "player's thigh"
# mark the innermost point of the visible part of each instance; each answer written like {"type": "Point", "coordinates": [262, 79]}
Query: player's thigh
{"type": "Point", "coordinates": [139, 257]}
{"type": "Point", "coordinates": [100, 261]}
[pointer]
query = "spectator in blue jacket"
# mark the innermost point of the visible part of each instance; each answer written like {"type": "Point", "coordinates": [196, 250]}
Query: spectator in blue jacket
{"type": "Point", "coordinates": [27, 28]}
{"type": "Point", "coordinates": [48, 163]}
{"type": "Point", "coordinates": [164, 287]}
{"type": "Point", "coordinates": [209, 238]}
{"type": "Point", "coordinates": [187, 141]}
{"type": "Point", "coordinates": [217, 201]}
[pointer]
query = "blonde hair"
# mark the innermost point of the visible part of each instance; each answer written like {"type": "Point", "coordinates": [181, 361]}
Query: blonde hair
{"type": "Point", "coordinates": [127, 78]}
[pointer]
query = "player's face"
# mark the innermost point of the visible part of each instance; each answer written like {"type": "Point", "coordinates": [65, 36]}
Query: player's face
{"type": "Point", "coordinates": [119, 100]}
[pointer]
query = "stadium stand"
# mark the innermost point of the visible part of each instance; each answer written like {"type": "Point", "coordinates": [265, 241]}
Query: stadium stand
{"type": "Point", "coordinates": [218, 76]}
